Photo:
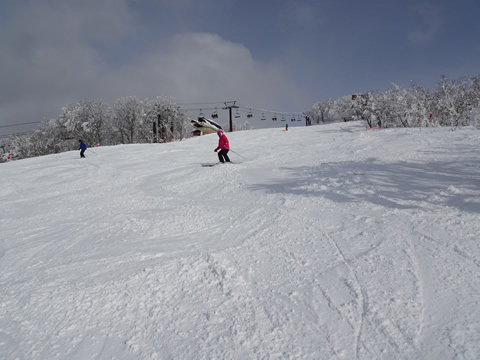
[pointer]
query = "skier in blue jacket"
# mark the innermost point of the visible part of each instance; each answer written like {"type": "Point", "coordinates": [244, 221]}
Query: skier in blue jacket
{"type": "Point", "coordinates": [82, 148]}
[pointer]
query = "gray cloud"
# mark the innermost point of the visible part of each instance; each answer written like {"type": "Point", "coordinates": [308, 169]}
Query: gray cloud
{"type": "Point", "coordinates": [48, 53]}
{"type": "Point", "coordinates": [53, 54]}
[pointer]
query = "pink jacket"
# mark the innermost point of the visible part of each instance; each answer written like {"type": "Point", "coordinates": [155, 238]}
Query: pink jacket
{"type": "Point", "coordinates": [223, 143]}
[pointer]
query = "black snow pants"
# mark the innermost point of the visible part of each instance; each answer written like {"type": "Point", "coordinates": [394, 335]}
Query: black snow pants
{"type": "Point", "coordinates": [222, 156]}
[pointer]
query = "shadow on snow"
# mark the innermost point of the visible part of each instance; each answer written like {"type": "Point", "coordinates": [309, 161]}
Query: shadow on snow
{"type": "Point", "coordinates": [397, 185]}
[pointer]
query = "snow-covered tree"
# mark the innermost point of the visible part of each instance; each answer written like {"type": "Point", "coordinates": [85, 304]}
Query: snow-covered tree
{"type": "Point", "coordinates": [421, 107]}
{"type": "Point", "coordinates": [342, 109]}
{"type": "Point", "coordinates": [166, 119]}
{"type": "Point", "coordinates": [321, 111]}
{"type": "Point", "coordinates": [401, 105]}
{"type": "Point", "coordinates": [128, 119]}
{"type": "Point", "coordinates": [17, 146]}
{"type": "Point", "coordinates": [244, 126]}
{"type": "Point", "coordinates": [87, 120]}
{"type": "Point", "coordinates": [475, 90]}
{"type": "Point", "coordinates": [98, 126]}
{"type": "Point", "coordinates": [455, 102]}
{"type": "Point", "coordinates": [362, 108]}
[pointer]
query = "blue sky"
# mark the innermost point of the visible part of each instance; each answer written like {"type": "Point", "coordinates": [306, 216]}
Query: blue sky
{"type": "Point", "coordinates": [276, 55]}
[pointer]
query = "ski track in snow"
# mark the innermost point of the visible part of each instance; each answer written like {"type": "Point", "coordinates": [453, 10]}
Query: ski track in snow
{"type": "Point", "coordinates": [331, 243]}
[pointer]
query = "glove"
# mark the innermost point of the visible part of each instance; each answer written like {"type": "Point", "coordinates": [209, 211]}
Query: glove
{"type": "Point", "coordinates": [215, 150]}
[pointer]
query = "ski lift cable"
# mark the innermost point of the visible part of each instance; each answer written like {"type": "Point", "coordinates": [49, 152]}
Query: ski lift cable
{"type": "Point", "coordinates": [246, 108]}
{"type": "Point", "coordinates": [26, 123]}
{"type": "Point", "coordinates": [205, 103]}
{"type": "Point", "coordinates": [198, 109]}
{"type": "Point", "coordinates": [17, 134]}
{"type": "Point", "coordinates": [268, 111]}
{"type": "Point", "coordinates": [243, 108]}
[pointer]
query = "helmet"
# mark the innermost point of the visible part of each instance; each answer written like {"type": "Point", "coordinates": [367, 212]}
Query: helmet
{"type": "Point", "coordinates": [219, 132]}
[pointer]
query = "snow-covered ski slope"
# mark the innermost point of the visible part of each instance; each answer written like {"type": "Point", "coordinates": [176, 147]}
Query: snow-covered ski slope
{"type": "Point", "coordinates": [327, 242]}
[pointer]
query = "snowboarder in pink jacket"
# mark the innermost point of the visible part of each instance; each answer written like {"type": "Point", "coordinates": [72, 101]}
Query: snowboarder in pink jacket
{"type": "Point", "coordinates": [223, 146]}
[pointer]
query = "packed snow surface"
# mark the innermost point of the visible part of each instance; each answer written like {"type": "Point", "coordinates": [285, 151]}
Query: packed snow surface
{"type": "Point", "coordinates": [322, 242]}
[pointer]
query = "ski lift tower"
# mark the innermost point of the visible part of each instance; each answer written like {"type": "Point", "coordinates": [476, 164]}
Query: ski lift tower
{"type": "Point", "coordinates": [230, 105]}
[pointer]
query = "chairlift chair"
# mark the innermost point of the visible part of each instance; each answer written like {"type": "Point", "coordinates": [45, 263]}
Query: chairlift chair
{"type": "Point", "coordinates": [215, 114]}
{"type": "Point", "coordinates": [283, 117]}
{"type": "Point", "coordinates": [263, 117]}
{"type": "Point", "coordinates": [237, 114]}
{"type": "Point", "coordinates": [274, 118]}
